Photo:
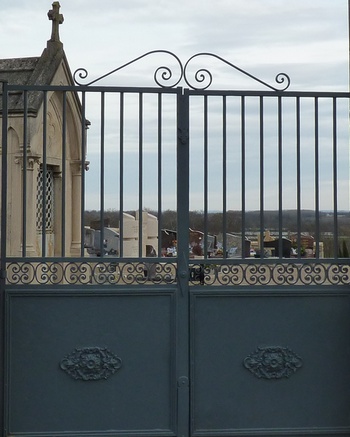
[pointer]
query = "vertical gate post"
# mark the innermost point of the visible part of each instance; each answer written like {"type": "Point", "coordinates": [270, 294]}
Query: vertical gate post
{"type": "Point", "coordinates": [4, 179]}
{"type": "Point", "coordinates": [182, 262]}
{"type": "Point", "coordinates": [3, 251]}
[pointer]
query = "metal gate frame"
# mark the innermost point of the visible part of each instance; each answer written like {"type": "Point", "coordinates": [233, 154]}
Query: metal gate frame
{"type": "Point", "coordinates": [325, 281]}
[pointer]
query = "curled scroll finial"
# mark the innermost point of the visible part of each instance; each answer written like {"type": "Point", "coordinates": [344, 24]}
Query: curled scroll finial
{"type": "Point", "coordinates": [201, 79]}
{"type": "Point", "coordinates": [81, 73]}
{"type": "Point", "coordinates": [162, 75]}
{"type": "Point", "coordinates": [281, 78]}
{"type": "Point", "coordinates": [205, 77]}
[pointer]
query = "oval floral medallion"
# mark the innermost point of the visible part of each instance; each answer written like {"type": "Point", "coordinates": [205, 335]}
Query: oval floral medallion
{"type": "Point", "coordinates": [272, 362]}
{"type": "Point", "coordinates": [91, 364]}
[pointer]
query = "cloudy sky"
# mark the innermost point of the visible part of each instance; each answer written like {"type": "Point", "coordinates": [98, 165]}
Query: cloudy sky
{"type": "Point", "coordinates": [307, 39]}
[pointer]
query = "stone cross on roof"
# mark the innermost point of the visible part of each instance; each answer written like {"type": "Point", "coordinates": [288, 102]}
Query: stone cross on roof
{"type": "Point", "coordinates": [57, 19]}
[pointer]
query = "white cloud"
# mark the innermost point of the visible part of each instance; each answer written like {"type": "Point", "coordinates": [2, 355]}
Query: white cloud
{"type": "Point", "coordinates": [249, 33]}
{"type": "Point", "coordinates": [306, 39]}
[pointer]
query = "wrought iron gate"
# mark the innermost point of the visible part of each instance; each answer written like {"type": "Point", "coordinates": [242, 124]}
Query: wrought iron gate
{"type": "Point", "coordinates": [214, 340]}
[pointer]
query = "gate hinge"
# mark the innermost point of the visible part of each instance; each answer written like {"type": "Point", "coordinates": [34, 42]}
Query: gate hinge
{"type": "Point", "coordinates": [183, 381]}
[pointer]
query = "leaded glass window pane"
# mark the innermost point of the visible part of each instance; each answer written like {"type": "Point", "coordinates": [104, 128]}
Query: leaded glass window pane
{"type": "Point", "coordinates": [49, 200]}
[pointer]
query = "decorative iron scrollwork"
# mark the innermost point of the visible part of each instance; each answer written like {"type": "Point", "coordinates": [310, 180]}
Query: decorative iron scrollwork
{"type": "Point", "coordinates": [91, 364]}
{"type": "Point", "coordinates": [201, 79]}
{"type": "Point", "coordinates": [165, 272]}
{"type": "Point", "coordinates": [86, 272]}
{"type": "Point", "coordinates": [244, 272]}
{"type": "Point", "coordinates": [124, 272]}
{"type": "Point", "coordinates": [273, 362]}
{"type": "Point", "coordinates": [162, 74]}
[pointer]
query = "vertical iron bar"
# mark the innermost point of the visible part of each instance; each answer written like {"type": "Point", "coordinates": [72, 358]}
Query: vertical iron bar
{"type": "Point", "coordinates": [64, 175]}
{"type": "Point", "coordinates": [44, 168]}
{"type": "Point", "coordinates": [224, 176]}
{"type": "Point", "coordinates": [280, 178]}
{"type": "Point", "coordinates": [121, 176]}
{"type": "Point", "coordinates": [182, 340]}
{"type": "Point", "coordinates": [262, 224]}
{"type": "Point", "coordinates": [160, 218]}
{"type": "Point", "coordinates": [317, 178]}
{"type": "Point", "coordinates": [335, 178]}
{"type": "Point", "coordinates": [83, 153]}
{"type": "Point", "coordinates": [24, 174]}
{"type": "Point", "coordinates": [102, 175]}
{"type": "Point", "coordinates": [206, 176]}
{"type": "Point", "coordinates": [298, 176]}
{"type": "Point", "coordinates": [140, 172]}
{"type": "Point", "coordinates": [243, 167]}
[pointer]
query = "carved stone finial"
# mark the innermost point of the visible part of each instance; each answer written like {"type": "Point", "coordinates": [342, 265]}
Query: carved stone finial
{"type": "Point", "coordinates": [57, 19]}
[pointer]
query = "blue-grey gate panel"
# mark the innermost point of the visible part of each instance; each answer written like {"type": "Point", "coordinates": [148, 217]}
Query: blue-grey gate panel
{"type": "Point", "coordinates": [91, 363]}
{"type": "Point", "coordinates": [270, 363]}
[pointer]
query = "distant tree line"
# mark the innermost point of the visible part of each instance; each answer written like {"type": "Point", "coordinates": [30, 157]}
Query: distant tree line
{"type": "Point", "coordinates": [234, 219]}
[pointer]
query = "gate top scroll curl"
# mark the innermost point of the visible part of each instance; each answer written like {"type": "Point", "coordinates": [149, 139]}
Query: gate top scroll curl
{"type": "Point", "coordinates": [165, 77]}
{"type": "Point", "coordinates": [162, 73]}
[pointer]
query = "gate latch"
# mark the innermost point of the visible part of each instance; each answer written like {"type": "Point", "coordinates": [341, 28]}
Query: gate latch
{"type": "Point", "coordinates": [183, 381]}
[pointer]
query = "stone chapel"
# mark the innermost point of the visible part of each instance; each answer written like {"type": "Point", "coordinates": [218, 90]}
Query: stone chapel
{"type": "Point", "coordinates": [39, 198]}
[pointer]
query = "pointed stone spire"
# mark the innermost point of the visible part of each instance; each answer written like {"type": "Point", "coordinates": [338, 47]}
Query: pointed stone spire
{"type": "Point", "coordinates": [57, 19]}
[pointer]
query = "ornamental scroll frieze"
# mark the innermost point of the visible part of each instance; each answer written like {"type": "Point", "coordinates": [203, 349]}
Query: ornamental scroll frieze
{"type": "Point", "coordinates": [129, 272]}
{"type": "Point", "coordinates": [91, 364]}
{"type": "Point", "coordinates": [273, 362]}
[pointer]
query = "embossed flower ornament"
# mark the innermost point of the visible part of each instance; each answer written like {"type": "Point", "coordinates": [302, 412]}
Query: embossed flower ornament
{"type": "Point", "coordinates": [273, 362]}
{"type": "Point", "coordinates": [91, 364]}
